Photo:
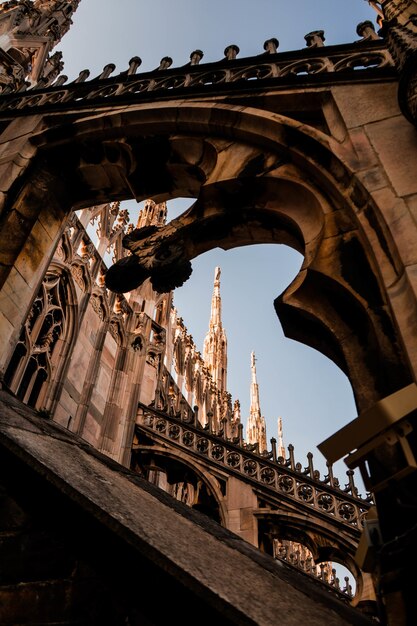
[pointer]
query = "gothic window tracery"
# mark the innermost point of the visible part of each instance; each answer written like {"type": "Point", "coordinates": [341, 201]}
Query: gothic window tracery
{"type": "Point", "coordinates": [37, 354]}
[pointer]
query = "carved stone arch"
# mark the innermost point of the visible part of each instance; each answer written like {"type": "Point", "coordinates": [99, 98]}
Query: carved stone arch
{"type": "Point", "coordinates": [81, 275]}
{"type": "Point", "coordinates": [36, 367]}
{"type": "Point", "coordinates": [64, 251]}
{"type": "Point", "coordinates": [321, 538]}
{"type": "Point", "coordinates": [153, 357]}
{"type": "Point", "coordinates": [214, 152]}
{"type": "Point", "coordinates": [72, 326]}
{"type": "Point", "coordinates": [163, 455]}
{"type": "Point", "coordinates": [137, 343]}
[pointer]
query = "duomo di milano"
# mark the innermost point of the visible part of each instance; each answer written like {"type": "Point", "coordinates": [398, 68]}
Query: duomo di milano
{"type": "Point", "coordinates": [128, 491]}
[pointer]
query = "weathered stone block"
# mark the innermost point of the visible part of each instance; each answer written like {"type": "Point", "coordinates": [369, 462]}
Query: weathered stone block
{"type": "Point", "coordinates": [360, 104]}
{"type": "Point", "coordinates": [6, 331]}
{"type": "Point", "coordinates": [22, 126]}
{"type": "Point", "coordinates": [394, 141]}
{"type": "Point", "coordinates": [13, 233]}
{"type": "Point", "coordinates": [402, 225]}
{"type": "Point", "coordinates": [33, 260]}
{"type": "Point", "coordinates": [10, 169]}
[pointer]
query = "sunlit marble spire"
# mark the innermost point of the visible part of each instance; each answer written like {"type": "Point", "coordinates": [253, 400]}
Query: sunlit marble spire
{"type": "Point", "coordinates": [256, 427]}
{"type": "Point", "coordinates": [215, 342]}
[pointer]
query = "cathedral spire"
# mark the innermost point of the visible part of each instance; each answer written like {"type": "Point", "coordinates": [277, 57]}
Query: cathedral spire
{"type": "Point", "coordinates": [216, 302]}
{"type": "Point", "coordinates": [281, 447]}
{"type": "Point", "coordinates": [255, 408]}
{"type": "Point", "coordinates": [256, 427]}
{"type": "Point", "coordinates": [215, 343]}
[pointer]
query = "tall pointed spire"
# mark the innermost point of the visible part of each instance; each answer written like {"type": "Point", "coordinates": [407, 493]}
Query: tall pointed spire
{"type": "Point", "coordinates": [281, 447]}
{"type": "Point", "coordinates": [254, 388]}
{"type": "Point", "coordinates": [215, 343]}
{"type": "Point", "coordinates": [256, 426]}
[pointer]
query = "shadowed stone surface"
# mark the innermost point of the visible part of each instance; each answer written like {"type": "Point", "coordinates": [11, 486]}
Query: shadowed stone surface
{"type": "Point", "coordinates": [216, 571]}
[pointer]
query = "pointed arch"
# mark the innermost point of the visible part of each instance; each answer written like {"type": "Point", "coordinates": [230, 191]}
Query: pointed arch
{"type": "Point", "coordinates": [36, 366]}
{"type": "Point", "coordinates": [258, 177]}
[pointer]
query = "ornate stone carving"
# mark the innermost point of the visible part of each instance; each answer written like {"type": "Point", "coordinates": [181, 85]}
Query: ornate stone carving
{"type": "Point", "coordinates": [116, 331]}
{"type": "Point", "coordinates": [100, 92]}
{"type": "Point", "coordinates": [98, 306]}
{"type": "Point", "coordinates": [78, 272]}
{"type": "Point", "coordinates": [156, 254]}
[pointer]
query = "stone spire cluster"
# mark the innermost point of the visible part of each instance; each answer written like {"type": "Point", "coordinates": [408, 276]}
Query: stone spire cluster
{"type": "Point", "coordinates": [215, 342]}
{"type": "Point", "coordinates": [256, 427]}
{"type": "Point", "coordinates": [152, 214]}
{"type": "Point", "coordinates": [28, 33]}
{"type": "Point", "coordinates": [215, 359]}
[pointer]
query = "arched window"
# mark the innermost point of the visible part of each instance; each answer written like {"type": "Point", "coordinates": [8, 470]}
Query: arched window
{"type": "Point", "coordinates": [37, 356]}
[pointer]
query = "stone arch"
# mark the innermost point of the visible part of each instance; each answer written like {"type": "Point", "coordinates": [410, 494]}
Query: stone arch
{"type": "Point", "coordinates": [35, 369]}
{"type": "Point", "coordinates": [218, 153]}
{"type": "Point", "coordinates": [160, 456]}
{"type": "Point", "coordinates": [318, 536]}
{"type": "Point", "coordinates": [100, 303]}
{"type": "Point", "coordinates": [81, 275]}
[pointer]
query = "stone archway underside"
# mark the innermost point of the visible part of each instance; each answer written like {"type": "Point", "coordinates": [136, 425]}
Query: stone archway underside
{"type": "Point", "coordinates": [258, 178]}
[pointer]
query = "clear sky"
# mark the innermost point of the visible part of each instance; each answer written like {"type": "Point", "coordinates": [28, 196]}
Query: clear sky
{"type": "Point", "coordinates": [313, 397]}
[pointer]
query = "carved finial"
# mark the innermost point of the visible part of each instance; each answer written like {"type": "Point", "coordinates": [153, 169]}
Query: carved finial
{"type": "Point", "coordinates": [134, 63]}
{"type": "Point", "coordinates": [61, 80]}
{"type": "Point", "coordinates": [107, 70]}
{"type": "Point", "coordinates": [271, 45]}
{"type": "Point", "coordinates": [196, 56]}
{"type": "Point", "coordinates": [165, 63]}
{"type": "Point", "coordinates": [366, 30]}
{"type": "Point", "coordinates": [83, 75]}
{"type": "Point", "coordinates": [315, 39]}
{"type": "Point", "coordinates": [231, 52]}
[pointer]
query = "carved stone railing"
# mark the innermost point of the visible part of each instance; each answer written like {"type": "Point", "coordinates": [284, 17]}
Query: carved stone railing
{"type": "Point", "coordinates": [318, 572]}
{"type": "Point", "coordinates": [281, 476]}
{"type": "Point", "coordinates": [313, 65]}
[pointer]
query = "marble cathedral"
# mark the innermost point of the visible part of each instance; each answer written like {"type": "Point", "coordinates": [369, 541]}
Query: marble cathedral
{"type": "Point", "coordinates": [105, 398]}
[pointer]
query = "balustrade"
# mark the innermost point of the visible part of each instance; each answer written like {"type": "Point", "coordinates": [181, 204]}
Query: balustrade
{"type": "Point", "coordinates": [369, 53]}
{"type": "Point", "coordinates": [283, 476]}
{"type": "Point", "coordinates": [320, 572]}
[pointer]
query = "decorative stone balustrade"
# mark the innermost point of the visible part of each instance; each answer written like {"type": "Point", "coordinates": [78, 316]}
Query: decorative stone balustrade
{"type": "Point", "coordinates": [281, 476]}
{"type": "Point", "coordinates": [317, 64]}
{"type": "Point", "coordinates": [319, 572]}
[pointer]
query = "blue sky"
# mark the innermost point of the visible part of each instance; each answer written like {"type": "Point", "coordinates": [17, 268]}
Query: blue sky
{"type": "Point", "coordinates": [313, 397]}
